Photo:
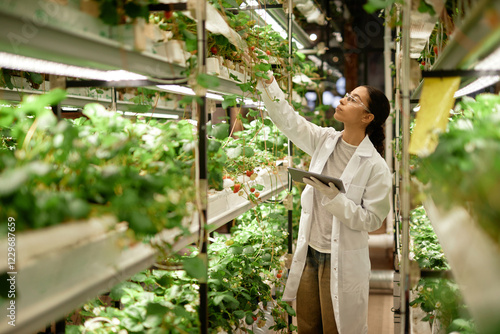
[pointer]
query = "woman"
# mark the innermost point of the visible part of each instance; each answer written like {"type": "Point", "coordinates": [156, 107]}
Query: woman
{"type": "Point", "coordinates": [329, 274]}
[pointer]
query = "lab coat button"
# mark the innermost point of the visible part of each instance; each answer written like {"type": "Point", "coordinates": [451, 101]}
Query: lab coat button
{"type": "Point", "coordinates": [335, 268]}
{"type": "Point", "coordinates": [335, 240]}
{"type": "Point", "coordinates": [336, 297]}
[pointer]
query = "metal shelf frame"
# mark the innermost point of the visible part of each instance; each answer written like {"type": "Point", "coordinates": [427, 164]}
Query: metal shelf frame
{"type": "Point", "coordinates": [478, 36]}
{"type": "Point", "coordinates": [91, 275]}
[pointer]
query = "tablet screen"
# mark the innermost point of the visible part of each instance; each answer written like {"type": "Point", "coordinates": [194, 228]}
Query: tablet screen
{"type": "Point", "coordinates": [299, 174]}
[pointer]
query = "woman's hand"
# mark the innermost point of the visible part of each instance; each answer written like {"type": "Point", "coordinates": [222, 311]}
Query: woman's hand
{"type": "Point", "coordinates": [329, 190]}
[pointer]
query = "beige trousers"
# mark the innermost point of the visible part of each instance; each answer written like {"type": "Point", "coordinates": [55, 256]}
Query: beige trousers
{"type": "Point", "coordinates": [314, 301]}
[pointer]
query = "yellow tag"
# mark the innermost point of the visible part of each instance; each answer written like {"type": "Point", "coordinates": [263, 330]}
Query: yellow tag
{"type": "Point", "coordinates": [436, 102]}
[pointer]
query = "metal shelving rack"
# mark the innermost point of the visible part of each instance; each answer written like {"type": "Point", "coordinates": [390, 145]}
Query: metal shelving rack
{"type": "Point", "coordinates": [86, 49]}
{"type": "Point", "coordinates": [473, 258]}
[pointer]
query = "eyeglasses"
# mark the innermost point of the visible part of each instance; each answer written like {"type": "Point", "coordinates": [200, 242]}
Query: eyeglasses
{"type": "Point", "coordinates": [351, 98]}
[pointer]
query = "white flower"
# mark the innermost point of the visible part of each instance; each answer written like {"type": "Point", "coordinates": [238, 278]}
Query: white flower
{"type": "Point", "coordinates": [115, 321]}
{"type": "Point", "coordinates": [420, 288]}
{"type": "Point", "coordinates": [429, 289]}
{"type": "Point", "coordinates": [438, 304]}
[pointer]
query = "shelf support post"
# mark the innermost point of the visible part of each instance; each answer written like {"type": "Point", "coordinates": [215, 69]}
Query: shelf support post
{"type": "Point", "coordinates": [405, 181]}
{"type": "Point", "coordinates": [202, 187]}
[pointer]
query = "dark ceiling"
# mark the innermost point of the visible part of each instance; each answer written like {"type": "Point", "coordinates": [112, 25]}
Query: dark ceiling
{"type": "Point", "coordinates": [362, 34]}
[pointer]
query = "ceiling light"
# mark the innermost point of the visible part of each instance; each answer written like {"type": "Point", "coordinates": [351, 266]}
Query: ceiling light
{"type": "Point", "coordinates": [313, 37]}
{"type": "Point", "coordinates": [22, 63]}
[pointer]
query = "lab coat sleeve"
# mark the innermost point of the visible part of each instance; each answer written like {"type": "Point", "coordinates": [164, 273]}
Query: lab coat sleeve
{"type": "Point", "coordinates": [300, 131]}
{"type": "Point", "coordinates": [374, 208]}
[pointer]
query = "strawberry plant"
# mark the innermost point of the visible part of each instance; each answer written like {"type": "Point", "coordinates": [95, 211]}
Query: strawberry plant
{"type": "Point", "coordinates": [240, 274]}
{"type": "Point", "coordinates": [60, 171]}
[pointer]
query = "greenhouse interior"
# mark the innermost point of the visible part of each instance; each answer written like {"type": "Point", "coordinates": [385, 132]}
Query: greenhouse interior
{"type": "Point", "coordinates": [144, 166]}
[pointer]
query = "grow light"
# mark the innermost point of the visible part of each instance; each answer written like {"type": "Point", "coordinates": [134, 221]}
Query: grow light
{"type": "Point", "coordinates": [488, 63]}
{"type": "Point", "coordinates": [478, 84]}
{"type": "Point", "coordinates": [155, 115]}
{"type": "Point", "coordinates": [271, 21]}
{"type": "Point", "coordinates": [188, 91]}
{"type": "Point", "coordinates": [22, 63]}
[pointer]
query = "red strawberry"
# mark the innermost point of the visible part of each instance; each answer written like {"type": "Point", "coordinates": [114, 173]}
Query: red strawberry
{"type": "Point", "coordinates": [236, 188]}
{"type": "Point", "coordinates": [168, 14]}
{"type": "Point", "coordinates": [213, 49]}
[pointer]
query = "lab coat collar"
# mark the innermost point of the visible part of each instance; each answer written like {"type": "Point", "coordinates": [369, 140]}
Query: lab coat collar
{"type": "Point", "coordinates": [365, 148]}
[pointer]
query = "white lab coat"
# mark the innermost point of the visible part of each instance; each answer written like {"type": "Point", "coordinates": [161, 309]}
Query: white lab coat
{"type": "Point", "coordinates": [360, 210]}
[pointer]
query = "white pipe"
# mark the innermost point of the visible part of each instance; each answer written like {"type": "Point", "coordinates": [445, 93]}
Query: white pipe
{"type": "Point", "coordinates": [384, 241]}
{"type": "Point", "coordinates": [382, 279]}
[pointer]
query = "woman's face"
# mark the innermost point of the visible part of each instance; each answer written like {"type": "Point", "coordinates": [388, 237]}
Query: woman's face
{"type": "Point", "coordinates": [352, 108]}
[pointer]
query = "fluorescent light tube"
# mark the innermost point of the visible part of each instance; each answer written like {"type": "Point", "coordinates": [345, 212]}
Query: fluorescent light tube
{"type": "Point", "coordinates": [22, 63]}
{"type": "Point", "coordinates": [188, 91]}
{"type": "Point", "coordinates": [271, 21]}
{"type": "Point", "coordinates": [476, 85]}
{"type": "Point", "coordinates": [148, 114]}
{"type": "Point", "coordinates": [489, 63]}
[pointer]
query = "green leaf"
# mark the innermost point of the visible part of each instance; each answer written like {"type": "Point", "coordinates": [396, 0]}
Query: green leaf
{"type": "Point", "coordinates": [301, 56]}
{"type": "Point", "coordinates": [207, 81]}
{"type": "Point", "coordinates": [109, 13]}
{"type": "Point", "coordinates": [229, 101]}
{"type": "Point", "coordinates": [239, 314]}
{"type": "Point", "coordinates": [186, 99]}
{"type": "Point", "coordinates": [139, 108]}
{"type": "Point", "coordinates": [119, 290]}
{"type": "Point", "coordinates": [73, 329]}
{"type": "Point", "coordinates": [290, 310]}
{"type": "Point", "coordinates": [132, 325]}
{"type": "Point", "coordinates": [233, 153]}
{"type": "Point", "coordinates": [6, 115]}
{"type": "Point", "coordinates": [248, 250]}
{"type": "Point", "coordinates": [246, 87]}
{"type": "Point", "coordinates": [220, 131]}
{"type": "Point", "coordinates": [249, 152]}
{"type": "Point", "coordinates": [154, 315]}
{"type": "Point", "coordinates": [139, 277]}
{"type": "Point", "coordinates": [36, 78]}
{"type": "Point", "coordinates": [195, 267]}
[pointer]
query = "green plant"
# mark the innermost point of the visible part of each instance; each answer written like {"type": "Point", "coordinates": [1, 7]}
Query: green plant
{"type": "Point", "coordinates": [426, 249]}
{"type": "Point", "coordinates": [60, 171]}
{"type": "Point", "coordinates": [240, 274]}
{"type": "Point", "coordinates": [439, 298]}
{"type": "Point", "coordinates": [464, 169]}
{"type": "Point", "coordinates": [114, 12]}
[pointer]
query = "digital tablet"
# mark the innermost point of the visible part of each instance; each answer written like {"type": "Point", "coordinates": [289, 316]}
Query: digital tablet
{"type": "Point", "coordinates": [299, 174]}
